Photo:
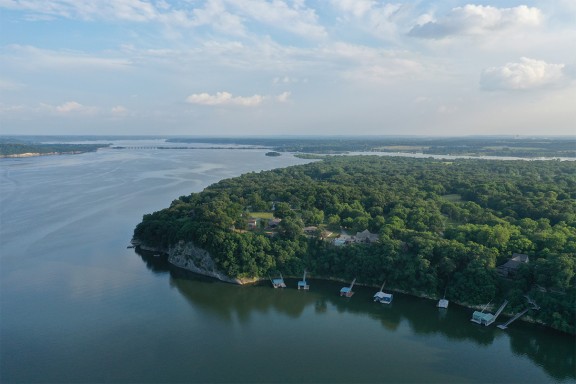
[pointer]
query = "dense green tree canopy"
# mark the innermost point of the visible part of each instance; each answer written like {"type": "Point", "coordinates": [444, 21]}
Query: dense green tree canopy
{"type": "Point", "coordinates": [442, 225]}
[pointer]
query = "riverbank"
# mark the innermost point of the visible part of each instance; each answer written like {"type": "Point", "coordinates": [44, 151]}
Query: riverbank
{"type": "Point", "coordinates": [198, 261]}
{"type": "Point", "coordinates": [35, 154]}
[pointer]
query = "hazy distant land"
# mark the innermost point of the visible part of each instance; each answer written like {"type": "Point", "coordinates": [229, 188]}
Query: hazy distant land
{"type": "Point", "coordinates": [504, 146]}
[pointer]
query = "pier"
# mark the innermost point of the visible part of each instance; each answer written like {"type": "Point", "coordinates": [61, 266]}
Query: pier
{"type": "Point", "coordinates": [533, 305]}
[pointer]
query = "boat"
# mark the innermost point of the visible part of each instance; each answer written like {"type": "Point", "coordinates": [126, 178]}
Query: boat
{"type": "Point", "coordinates": [382, 297]}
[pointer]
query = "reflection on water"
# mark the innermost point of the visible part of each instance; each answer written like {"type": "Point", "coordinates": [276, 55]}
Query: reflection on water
{"type": "Point", "coordinates": [238, 304]}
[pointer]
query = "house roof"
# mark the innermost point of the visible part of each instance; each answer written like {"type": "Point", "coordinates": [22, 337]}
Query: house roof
{"type": "Point", "coordinates": [366, 235]}
{"type": "Point", "coordinates": [515, 261]}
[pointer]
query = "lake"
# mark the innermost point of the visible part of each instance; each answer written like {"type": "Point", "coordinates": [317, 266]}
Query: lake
{"type": "Point", "coordinates": [77, 305]}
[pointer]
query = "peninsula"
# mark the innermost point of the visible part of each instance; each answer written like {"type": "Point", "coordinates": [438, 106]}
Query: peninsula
{"type": "Point", "coordinates": [427, 227]}
{"type": "Point", "coordinates": [14, 148]}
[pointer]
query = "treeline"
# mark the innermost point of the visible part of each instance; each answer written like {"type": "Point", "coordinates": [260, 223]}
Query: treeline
{"type": "Point", "coordinates": [12, 148]}
{"type": "Point", "coordinates": [442, 225]}
{"type": "Point", "coordinates": [529, 147]}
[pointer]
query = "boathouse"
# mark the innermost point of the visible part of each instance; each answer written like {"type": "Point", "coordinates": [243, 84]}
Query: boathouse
{"type": "Point", "coordinates": [384, 298]}
{"type": "Point", "coordinates": [279, 282]}
{"type": "Point", "coordinates": [347, 291]}
{"type": "Point", "coordinates": [302, 283]}
{"type": "Point", "coordinates": [482, 318]}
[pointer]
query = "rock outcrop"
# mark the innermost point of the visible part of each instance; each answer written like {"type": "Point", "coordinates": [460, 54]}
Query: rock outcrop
{"type": "Point", "coordinates": [192, 258]}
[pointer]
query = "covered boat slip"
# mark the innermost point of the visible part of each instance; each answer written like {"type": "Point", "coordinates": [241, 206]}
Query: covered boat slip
{"type": "Point", "coordinates": [443, 303]}
{"type": "Point", "coordinates": [302, 284]}
{"type": "Point", "coordinates": [347, 291]}
{"type": "Point", "coordinates": [279, 282]}
{"type": "Point", "coordinates": [479, 317]}
{"type": "Point", "coordinates": [384, 298]}
{"type": "Point", "coordinates": [381, 297]}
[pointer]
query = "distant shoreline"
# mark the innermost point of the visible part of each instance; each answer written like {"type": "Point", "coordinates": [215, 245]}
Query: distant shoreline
{"type": "Point", "coordinates": [36, 154]}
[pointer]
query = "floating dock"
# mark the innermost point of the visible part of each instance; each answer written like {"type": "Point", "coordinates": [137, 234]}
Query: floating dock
{"type": "Point", "coordinates": [347, 291]}
{"type": "Point", "coordinates": [302, 283]}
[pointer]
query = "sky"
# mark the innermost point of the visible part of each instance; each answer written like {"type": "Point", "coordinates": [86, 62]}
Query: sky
{"type": "Point", "coordinates": [287, 67]}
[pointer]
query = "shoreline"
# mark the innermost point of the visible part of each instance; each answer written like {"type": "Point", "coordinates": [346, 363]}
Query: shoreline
{"type": "Point", "coordinates": [176, 262]}
{"type": "Point", "coordinates": [37, 154]}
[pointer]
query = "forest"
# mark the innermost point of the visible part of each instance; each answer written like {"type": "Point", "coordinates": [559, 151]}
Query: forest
{"type": "Point", "coordinates": [441, 226]}
{"type": "Point", "coordinates": [11, 147]}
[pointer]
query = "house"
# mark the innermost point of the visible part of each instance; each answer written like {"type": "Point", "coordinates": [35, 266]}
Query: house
{"type": "Point", "coordinates": [366, 237]}
{"type": "Point", "coordinates": [252, 223]}
{"type": "Point", "coordinates": [311, 230]}
{"type": "Point", "coordinates": [273, 223]}
{"type": "Point", "coordinates": [509, 268]}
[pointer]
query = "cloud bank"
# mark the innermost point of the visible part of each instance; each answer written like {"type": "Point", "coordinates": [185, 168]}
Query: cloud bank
{"type": "Point", "coordinates": [477, 20]}
{"type": "Point", "coordinates": [224, 98]}
{"type": "Point", "coordinates": [524, 75]}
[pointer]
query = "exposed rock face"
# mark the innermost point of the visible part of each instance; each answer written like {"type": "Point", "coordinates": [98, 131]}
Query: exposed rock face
{"type": "Point", "coordinates": [197, 260]}
{"type": "Point", "coordinates": [192, 258]}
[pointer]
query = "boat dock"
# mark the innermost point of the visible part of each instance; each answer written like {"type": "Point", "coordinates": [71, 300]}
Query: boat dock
{"type": "Point", "coordinates": [516, 317]}
{"type": "Point", "coordinates": [443, 303]}
{"type": "Point", "coordinates": [347, 291]}
{"type": "Point", "coordinates": [302, 283]}
{"type": "Point", "coordinates": [487, 318]}
{"type": "Point", "coordinates": [520, 314]}
{"type": "Point", "coordinates": [381, 297]}
{"type": "Point", "coordinates": [279, 282]}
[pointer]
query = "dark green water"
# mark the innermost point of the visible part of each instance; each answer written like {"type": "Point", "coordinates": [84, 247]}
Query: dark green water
{"type": "Point", "coordinates": [78, 306]}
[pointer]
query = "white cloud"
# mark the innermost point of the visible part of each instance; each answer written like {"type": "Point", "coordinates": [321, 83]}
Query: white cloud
{"type": "Point", "coordinates": [371, 65]}
{"type": "Point", "coordinates": [478, 20]}
{"type": "Point", "coordinates": [224, 98]}
{"type": "Point", "coordinates": [525, 75]}
{"type": "Point", "coordinates": [118, 110]}
{"type": "Point", "coordinates": [283, 97]}
{"type": "Point", "coordinates": [215, 14]}
{"type": "Point", "coordinates": [130, 10]}
{"type": "Point", "coordinates": [70, 107]}
{"type": "Point", "coordinates": [279, 14]}
{"type": "Point", "coordinates": [370, 16]}
{"type": "Point", "coordinates": [25, 56]}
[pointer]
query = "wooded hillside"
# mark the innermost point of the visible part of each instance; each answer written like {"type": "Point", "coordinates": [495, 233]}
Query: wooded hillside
{"type": "Point", "coordinates": [440, 224]}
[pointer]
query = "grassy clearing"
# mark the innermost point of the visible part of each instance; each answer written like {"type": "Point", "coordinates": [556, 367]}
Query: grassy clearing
{"type": "Point", "coordinates": [402, 148]}
{"type": "Point", "coordinates": [455, 198]}
{"type": "Point", "coordinates": [262, 215]}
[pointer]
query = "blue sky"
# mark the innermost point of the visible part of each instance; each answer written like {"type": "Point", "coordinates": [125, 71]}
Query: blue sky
{"type": "Point", "coordinates": [301, 67]}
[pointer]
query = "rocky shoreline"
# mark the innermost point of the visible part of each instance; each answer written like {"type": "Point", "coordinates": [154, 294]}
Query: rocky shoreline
{"type": "Point", "coordinates": [187, 256]}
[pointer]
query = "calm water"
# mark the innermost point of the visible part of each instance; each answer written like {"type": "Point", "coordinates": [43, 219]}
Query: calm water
{"type": "Point", "coordinates": [78, 306]}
